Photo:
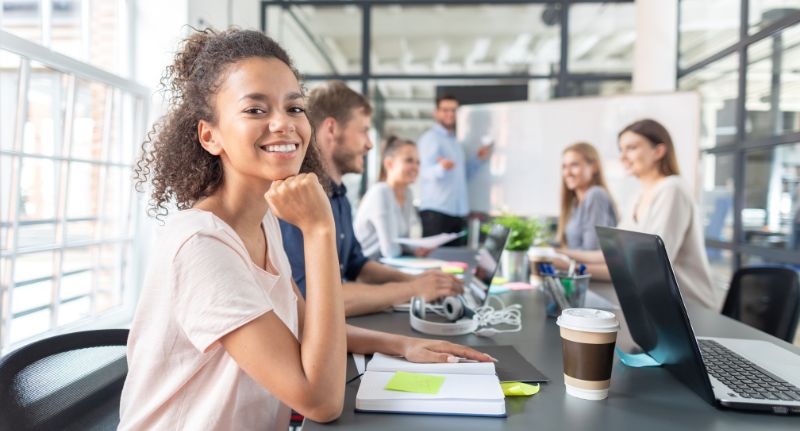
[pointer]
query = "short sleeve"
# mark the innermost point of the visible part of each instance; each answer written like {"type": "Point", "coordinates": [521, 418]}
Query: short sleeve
{"type": "Point", "coordinates": [215, 290]}
{"type": "Point", "coordinates": [599, 211]}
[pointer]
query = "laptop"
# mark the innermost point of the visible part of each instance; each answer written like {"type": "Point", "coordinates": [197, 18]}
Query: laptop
{"type": "Point", "coordinates": [476, 289]}
{"type": "Point", "coordinates": [728, 372]}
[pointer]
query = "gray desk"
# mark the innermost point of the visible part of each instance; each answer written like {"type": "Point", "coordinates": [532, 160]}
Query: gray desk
{"type": "Point", "coordinates": [647, 399]}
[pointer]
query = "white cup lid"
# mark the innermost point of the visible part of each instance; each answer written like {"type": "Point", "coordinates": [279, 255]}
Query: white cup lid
{"type": "Point", "coordinates": [588, 319]}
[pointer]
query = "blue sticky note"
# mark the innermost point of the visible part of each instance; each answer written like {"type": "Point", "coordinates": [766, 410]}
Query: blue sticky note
{"type": "Point", "coordinates": [636, 360]}
{"type": "Point", "coordinates": [497, 289]}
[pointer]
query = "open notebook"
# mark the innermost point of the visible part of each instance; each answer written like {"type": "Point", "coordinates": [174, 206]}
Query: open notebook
{"type": "Point", "coordinates": [468, 389]}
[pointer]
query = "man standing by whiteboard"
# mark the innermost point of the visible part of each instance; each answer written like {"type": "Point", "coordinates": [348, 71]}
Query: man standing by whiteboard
{"type": "Point", "coordinates": [444, 169]}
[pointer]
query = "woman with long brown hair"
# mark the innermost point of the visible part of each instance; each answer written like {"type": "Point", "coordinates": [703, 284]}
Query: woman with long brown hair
{"type": "Point", "coordinates": [585, 201]}
{"type": "Point", "coordinates": [664, 207]}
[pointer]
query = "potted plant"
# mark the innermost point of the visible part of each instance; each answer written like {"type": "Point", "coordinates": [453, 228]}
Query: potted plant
{"type": "Point", "coordinates": [524, 232]}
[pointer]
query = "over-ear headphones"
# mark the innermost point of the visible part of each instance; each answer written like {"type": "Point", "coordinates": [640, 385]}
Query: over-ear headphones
{"type": "Point", "coordinates": [453, 308]}
{"type": "Point", "coordinates": [464, 320]}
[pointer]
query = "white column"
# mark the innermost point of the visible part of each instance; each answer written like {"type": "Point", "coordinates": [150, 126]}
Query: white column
{"type": "Point", "coordinates": [654, 55]}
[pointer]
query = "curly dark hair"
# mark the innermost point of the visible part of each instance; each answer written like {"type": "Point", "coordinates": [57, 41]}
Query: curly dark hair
{"type": "Point", "coordinates": [173, 160]}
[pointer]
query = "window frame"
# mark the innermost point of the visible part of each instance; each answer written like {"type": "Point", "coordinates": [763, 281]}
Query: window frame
{"type": "Point", "coordinates": [137, 98]}
{"type": "Point", "coordinates": [742, 142]}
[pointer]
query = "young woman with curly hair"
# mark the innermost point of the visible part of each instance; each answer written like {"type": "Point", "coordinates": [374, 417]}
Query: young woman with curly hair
{"type": "Point", "coordinates": [221, 338]}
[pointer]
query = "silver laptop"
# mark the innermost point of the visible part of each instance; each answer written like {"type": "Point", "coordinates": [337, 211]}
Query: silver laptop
{"type": "Point", "coordinates": [476, 289]}
{"type": "Point", "coordinates": [731, 372]}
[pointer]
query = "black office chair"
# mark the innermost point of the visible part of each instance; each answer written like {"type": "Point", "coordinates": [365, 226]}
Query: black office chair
{"type": "Point", "coordinates": [65, 382]}
{"type": "Point", "coordinates": [766, 298]}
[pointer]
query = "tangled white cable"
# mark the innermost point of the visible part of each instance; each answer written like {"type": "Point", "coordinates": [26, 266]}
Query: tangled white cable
{"type": "Point", "coordinates": [486, 316]}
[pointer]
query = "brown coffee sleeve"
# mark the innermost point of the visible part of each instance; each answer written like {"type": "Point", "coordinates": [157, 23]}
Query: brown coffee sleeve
{"type": "Point", "coordinates": [586, 361]}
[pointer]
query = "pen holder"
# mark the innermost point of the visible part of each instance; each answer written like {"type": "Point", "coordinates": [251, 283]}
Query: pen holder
{"type": "Point", "coordinates": [563, 291]}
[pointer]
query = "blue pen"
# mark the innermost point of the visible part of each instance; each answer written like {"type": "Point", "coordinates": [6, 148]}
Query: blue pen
{"type": "Point", "coordinates": [581, 269]}
{"type": "Point", "coordinates": [558, 288]}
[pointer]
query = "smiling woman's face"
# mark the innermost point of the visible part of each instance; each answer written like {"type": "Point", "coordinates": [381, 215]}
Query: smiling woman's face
{"type": "Point", "coordinates": [639, 157]}
{"type": "Point", "coordinates": [261, 128]}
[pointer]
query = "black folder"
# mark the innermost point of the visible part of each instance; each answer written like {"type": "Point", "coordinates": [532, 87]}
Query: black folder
{"type": "Point", "coordinates": [511, 366]}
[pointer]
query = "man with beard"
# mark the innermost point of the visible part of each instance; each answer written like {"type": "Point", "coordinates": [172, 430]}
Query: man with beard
{"type": "Point", "coordinates": [443, 172]}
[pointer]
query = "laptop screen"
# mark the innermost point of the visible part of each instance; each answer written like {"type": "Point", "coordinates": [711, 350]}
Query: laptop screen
{"type": "Point", "coordinates": [651, 302]}
{"type": "Point", "coordinates": [488, 259]}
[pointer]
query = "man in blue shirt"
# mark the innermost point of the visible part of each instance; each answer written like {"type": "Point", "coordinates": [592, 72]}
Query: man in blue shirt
{"type": "Point", "coordinates": [341, 118]}
{"type": "Point", "coordinates": [444, 170]}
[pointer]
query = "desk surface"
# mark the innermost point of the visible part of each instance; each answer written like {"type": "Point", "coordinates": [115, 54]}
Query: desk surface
{"type": "Point", "coordinates": [639, 398]}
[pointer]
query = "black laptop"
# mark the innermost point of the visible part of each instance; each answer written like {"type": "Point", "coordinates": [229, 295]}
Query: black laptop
{"type": "Point", "coordinates": [735, 373]}
{"type": "Point", "coordinates": [476, 291]}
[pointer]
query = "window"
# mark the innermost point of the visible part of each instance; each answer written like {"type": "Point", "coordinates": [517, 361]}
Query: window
{"type": "Point", "coordinates": [717, 84]}
{"type": "Point", "coordinates": [773, 92]}
{"type": "Point", "coordinates": [322, 39]}
{"type": "Point", "coordinates": [771, 213]}
{"type": "Point", "coordinates": [706, 27]}
{"type": "Point", "coordinates": [69, 137]}
{"type": "Point", "coordinates": [717, 195]}
{"type": "Point", "coordinates": [601, 38]}
{"type": "Point", "coordinates": [750, 113]}
{"type": "Point", "coordinates": [93, 31]}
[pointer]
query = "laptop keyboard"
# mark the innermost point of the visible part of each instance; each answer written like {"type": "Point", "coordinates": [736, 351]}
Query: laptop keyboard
{"type": "Point", "coordinates": [745, 378]}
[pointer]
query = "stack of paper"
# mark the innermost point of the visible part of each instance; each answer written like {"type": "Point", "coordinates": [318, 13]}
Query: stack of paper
{"type": "Point", "coordinates": [460, 389]}
{"type": "Point", "coordinates": [432, 241]}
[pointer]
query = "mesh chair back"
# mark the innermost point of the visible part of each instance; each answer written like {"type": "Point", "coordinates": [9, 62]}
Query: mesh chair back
{"type": "Point", "coordinates": [55, 382]}
{"type": "Point", "coordinates": [766, 298]}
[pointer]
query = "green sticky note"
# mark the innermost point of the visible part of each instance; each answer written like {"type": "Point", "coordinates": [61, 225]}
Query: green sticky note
{"type": "Point", "coordinates": [415, 382]}
{"type": "Point", "coordinates": [518, 389]}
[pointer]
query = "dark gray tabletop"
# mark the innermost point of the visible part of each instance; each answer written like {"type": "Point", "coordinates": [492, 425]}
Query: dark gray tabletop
{"type": "Point", "coordinates": [647, 399]}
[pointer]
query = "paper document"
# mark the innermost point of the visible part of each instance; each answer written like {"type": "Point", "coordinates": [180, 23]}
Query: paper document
{"type": "Point", "coordinates": [429, 241]}
{"type": "Point", "coordinates": [413, 262]}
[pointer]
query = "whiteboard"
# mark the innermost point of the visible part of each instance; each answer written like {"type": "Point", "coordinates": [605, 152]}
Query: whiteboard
{"type": "Point", "coordinates": [523, 175]}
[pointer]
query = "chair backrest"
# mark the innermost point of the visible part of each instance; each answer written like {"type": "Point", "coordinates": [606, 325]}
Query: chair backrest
{"type": "Point", "coordinates": [55, 382]}
{"type": "Point", "coordinates": [766, 298]}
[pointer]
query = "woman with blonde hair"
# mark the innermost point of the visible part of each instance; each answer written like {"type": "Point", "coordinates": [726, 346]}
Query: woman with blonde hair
{"type": "Point", "coordinates": [585, 201]}
{"type": "Point", "coordinates": [664, 207]}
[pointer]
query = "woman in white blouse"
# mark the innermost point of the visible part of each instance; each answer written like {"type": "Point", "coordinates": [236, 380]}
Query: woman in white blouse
{"type": "Point", "coordinates": [664, 207]}
{"type": "Point", "coordinates": [387, 210]}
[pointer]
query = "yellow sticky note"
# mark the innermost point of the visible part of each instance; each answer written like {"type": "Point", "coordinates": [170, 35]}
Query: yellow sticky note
{"type": "Point", "coordinates": [499, 280]}
{"type": "Point", "coordinates": [518, 389]}
{"type": "Point", "coordinates": [452, 270]}
{"type": "Point", "coordinates": [415, 382]}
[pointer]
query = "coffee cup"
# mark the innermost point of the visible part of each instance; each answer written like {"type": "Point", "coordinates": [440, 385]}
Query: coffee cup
{"type": "Point", "coordinates": [588, 337]}
{"type": "Point", "coordinates": [537, 255]}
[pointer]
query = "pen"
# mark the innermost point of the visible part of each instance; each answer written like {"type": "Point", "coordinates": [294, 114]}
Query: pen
{"type": "Point", "coordinates": [557, 287]}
